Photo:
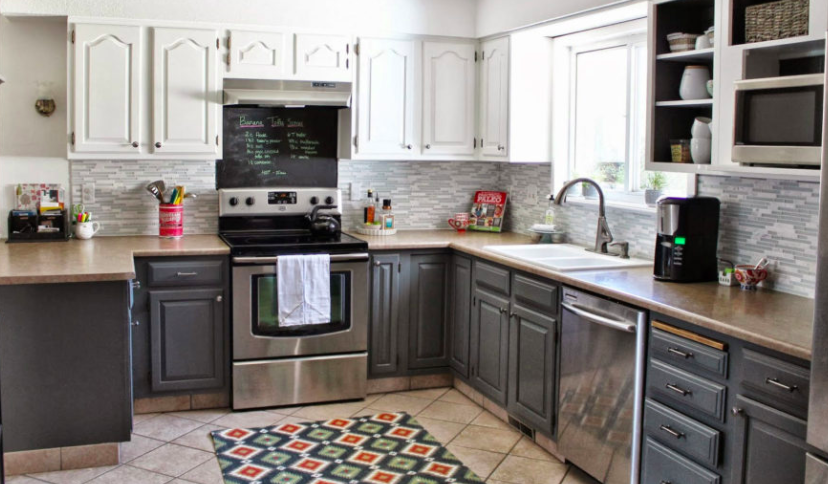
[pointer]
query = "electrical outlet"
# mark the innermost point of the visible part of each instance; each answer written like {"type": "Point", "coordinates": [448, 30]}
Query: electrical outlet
{"type": "Point", "coordinates": [88, 193]}
{"type": "Point", "coordinates": [532, 199]}
{"type": "Point", "coordinates": [355, 190]}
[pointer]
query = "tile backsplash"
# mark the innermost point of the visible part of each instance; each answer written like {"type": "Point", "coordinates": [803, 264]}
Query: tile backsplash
{"type": "Point", "coordinates": [777, 219]}
{"type": "Point", "coordinates": [124, 207]}
{"type": "Point", "coordinates": [773, 218]}
{"type": "Point", "coordinates": [423, 194]}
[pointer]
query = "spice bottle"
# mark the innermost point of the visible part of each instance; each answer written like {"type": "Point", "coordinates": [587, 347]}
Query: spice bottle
{"type": "Point", "coordinates": [369, 208]}
{"type": "Point", "coordinates": [388, 222]}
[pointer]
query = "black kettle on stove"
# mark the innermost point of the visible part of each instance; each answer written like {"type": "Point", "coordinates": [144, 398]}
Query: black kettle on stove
{"type": "Point", "coordinates": [323, 224]}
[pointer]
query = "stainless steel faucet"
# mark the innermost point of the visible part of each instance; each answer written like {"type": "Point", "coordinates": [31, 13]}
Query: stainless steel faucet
{"type": "Point", "coordinates": [603, 236]}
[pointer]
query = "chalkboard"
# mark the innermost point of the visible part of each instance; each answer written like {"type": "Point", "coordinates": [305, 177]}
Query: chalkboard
{"type": "Point", "coordinates": [268, 147]}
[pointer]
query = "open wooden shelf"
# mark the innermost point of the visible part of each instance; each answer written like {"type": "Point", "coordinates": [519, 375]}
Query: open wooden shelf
{"type": "Point", "coordinates": [692, 103]}
{"type": "Point", "coordinates": [702, 55]}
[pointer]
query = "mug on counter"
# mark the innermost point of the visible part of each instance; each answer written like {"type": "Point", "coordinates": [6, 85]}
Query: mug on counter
{"type": "Point", "coordinates": [460, 222]}
{"type": "Point", "coordinates": [86, 230]}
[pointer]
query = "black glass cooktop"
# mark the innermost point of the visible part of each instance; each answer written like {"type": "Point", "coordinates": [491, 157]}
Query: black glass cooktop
{"type": "Point", "coordinates": [266, 244]}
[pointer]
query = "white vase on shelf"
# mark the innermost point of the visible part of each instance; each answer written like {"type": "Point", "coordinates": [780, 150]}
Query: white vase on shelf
{"type": "Point", "coordinates": [700, 150]}
{"type": "Point", "coordinates": [694, 83]}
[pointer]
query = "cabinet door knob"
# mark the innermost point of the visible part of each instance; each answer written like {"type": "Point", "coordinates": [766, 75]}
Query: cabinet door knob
{"type": "Point", "coordinates": [219, 298]}
{"type": "Point", "coordinates": [737, 411]}
{"type": "Point", "coordinates": [157, 144]}
{"type": "Point", "coordinates": [408, 147]}
{"type": "Point", "coordinates": [134, 144]}
{"type": "Point", "coordinates": [500, 147]}
{"type": "Point", "coordinates": [428, 147]}
{"type": "Point", "coordinates": [377, 263]}
{"type": "Point", "coordinates": [136, 284]}
{"type": "Point", "coordinates": [136, 323]}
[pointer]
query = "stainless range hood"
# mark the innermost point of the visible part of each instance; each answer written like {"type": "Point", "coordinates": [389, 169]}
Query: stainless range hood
{"type": "Point", "coordinates": [287, 93]}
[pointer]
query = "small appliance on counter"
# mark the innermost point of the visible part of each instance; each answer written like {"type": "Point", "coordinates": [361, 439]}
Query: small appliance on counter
{"type": "Point", "coordinates": [40, 214]}
{"type": "Point", "coordinates": [687, 239]}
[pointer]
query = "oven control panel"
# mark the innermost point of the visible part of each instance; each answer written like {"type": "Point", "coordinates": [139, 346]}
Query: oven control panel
{"type": "Point", "coordinates": [281, 198]}
{"type": "Point", "coordinates": [244, 202]}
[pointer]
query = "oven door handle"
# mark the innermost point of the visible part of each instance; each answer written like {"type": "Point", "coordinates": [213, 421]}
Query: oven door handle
{"type": "Point", "coordinates": [275, 259]}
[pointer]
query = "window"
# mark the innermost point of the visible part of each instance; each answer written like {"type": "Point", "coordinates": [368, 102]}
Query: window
{"type": "Point", "coordinates": [600, 108]}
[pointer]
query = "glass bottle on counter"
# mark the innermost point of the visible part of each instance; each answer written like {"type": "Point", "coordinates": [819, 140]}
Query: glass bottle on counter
{"type": "Point", "coordinates": [377, 212]}
{"type": "Point", "coordinates": [388, 222]}
{"type": "Point", "coordinates": [369, 208]}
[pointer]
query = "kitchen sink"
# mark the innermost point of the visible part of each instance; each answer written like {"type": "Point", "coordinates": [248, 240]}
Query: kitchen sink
{"type": "Point", "coordinates": [565, 257]}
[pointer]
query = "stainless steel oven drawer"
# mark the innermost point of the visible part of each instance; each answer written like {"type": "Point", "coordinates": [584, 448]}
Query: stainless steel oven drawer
{"type": "Point", "coordinates": [293, 381]}
{"type": "Point", "coordinates": [680, 386]}
{"type": "Point", "coordinates": [682, 433]}
{"type": "Point", "coordinates": [185, 273]}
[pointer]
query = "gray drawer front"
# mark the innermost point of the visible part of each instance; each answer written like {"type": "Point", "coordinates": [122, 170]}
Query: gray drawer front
{"type": "Point", "coordinates": [687, 354]}
{"type": "Point", "coordinates": [664, 465]}
{"type": "Point", "coordinates": [536, 293]}
{"type": "Point", "coordinates": [491, 277]}
{"type": "Point", "coordinates": [185, 273]}
{"type": "Point", "coordinates": [680, 386]}
{"type": "Point", "coordinates": [784, 381]}
{"type": "Point", "coordinates": [682, 433]}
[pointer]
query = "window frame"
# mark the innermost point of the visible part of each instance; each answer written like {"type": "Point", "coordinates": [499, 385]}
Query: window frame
{"type": "Point", "coordinates": [631, 34]}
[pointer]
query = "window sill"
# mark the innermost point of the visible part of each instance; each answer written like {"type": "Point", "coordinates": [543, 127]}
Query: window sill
{"type": "Point", "coordinates": [613, 204]}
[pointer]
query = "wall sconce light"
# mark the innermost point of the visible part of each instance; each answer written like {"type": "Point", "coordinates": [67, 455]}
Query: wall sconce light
{"type": "Point", "coordinates": [45, 104]}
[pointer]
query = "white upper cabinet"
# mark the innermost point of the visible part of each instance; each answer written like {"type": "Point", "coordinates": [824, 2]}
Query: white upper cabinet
{"type": "Point", "coordinates": [322, 57]}
{"type": "Point", "coordinates": [494, 98]}
{"type": "Point", "coordinates": [106, 89]}
{"type": "Point", "coordinates": [185, 91]}
{"type": "Point", "coordinates": [385, 109]}
{"type": "Point", "coordinates": [260, 55]}
{"type": "Point", "coordinates": [448, 98]}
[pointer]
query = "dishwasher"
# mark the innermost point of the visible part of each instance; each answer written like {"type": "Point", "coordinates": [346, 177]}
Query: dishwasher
{"type": "Point", "coordinates": [601, 392]}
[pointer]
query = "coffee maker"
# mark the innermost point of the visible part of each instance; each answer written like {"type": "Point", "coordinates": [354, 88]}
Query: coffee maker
{"type": "Point", "coordinates": [687, 239]}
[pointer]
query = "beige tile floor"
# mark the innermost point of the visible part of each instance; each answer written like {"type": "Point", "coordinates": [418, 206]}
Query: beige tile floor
{"type": "Point", "coordinates": [176, 448]}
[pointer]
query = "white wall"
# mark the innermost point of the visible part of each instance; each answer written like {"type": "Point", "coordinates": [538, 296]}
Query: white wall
{"type": "Point", "coordinates": [495, 16]}
{"type": "Point", "coordinates": [433, 17]}
{"type": "Point", "coordinates": [32, 147]}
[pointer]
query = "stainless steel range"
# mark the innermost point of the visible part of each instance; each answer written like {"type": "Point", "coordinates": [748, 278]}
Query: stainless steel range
{"type": "Point", "coordinates": [275, 365]}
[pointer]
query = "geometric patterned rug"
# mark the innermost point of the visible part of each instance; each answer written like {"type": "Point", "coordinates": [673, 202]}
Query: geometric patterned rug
{"type": "Point", "coordinates": [388, 448]}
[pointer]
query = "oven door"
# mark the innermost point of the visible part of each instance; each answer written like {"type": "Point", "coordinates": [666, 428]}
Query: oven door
{"type": "Point", "coordinates": [256, 331]}
{"type": "Point", "coordinates": [779, 121]}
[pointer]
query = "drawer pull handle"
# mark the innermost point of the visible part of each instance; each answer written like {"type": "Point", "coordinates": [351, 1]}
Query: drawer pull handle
{"type": "Point", "coordinates": [678, 390]}
{"type": "Point", "coordinates": [186, 274]}
{"type": "Point", "coordinates": [678, 352]}
{"type": "Point", "coordinates": [672, 432]}
{"type": "Point", "coordinates": [779, 384]}
{"type": "Point", "coordinates": [666, 482]}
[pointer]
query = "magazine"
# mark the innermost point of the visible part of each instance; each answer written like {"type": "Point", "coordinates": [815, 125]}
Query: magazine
{"type": "Point", "coordinates": [488, 209]}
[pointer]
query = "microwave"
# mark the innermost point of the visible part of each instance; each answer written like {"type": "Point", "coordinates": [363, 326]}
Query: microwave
{"type": "Point", "coordinates": [778, 121]}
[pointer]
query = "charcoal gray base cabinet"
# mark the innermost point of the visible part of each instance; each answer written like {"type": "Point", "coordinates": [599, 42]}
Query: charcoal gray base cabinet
{"type": "Point", "coordinates": [181, 326]}
{"type": "Point", "coordinates": [386, 275]}
{"type": "Point", "coordinates": [410, 315]}
{"type": "Point", "coordinates": [768, 444]}
{"type": "Point", "coordinates": [461, 312]}
{"type": "Point", "coordinates": [504, 338]}
{"type": "Point", "coordinates": [490, 345]}
{"type": "Point", "coordinates": [68, 345]}
{"type": "Point", "coordinates": [721, 410]}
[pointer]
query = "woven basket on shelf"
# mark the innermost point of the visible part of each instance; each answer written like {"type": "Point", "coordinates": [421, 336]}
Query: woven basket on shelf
{"type": "Point", "coordinates": [776, 20]}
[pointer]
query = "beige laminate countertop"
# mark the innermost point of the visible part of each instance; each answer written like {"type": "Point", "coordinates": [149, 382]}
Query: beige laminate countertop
{"type": "Point", "coordinates": [97, 259]}
{"type": "Point", "coordinates": [774, 320]}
